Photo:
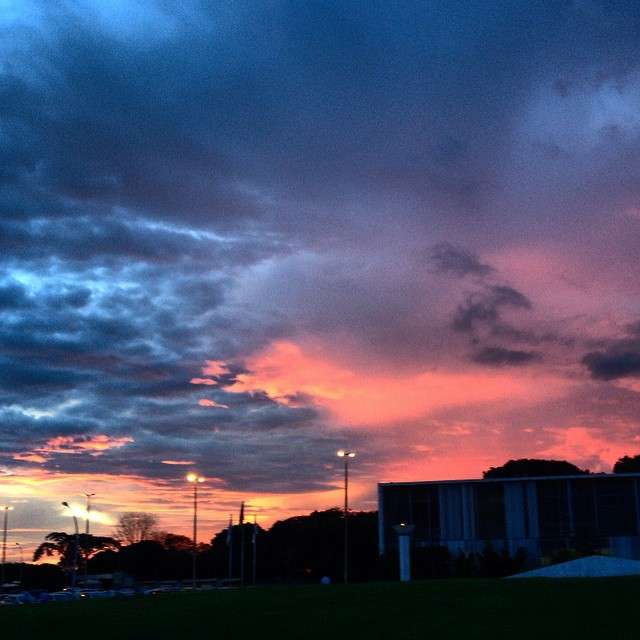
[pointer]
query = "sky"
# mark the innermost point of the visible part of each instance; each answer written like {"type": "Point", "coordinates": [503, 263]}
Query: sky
{"type": "Point", "coordinates": [238, 236]}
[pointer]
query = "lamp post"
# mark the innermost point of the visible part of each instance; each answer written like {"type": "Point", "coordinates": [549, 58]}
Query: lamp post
{"type": "Point", "coordinates": [88, 496]}
{"type": "Point", "coordinates": [346, 455]}
{"type": "Point", "coordinates": [6, 509]}
{"type": "Point", "coordinates": [75, 546]}
{"type": "Point", "coordinates": [195, 479]}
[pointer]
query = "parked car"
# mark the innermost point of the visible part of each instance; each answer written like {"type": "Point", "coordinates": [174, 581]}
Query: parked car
{"type": "Point", "coordinates": [155, 591]}
{"type": "Point", "coordinates": [95, 593]}
{"type": "Point", "coordinates": [23, 597]}
{"type": "Point", "coordinates": [164, 589]}
{"type": "Point", "coordinates": [64, 596]}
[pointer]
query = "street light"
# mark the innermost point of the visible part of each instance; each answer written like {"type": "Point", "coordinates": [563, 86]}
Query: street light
{"type": "Point", "coordinates": [195, 479]}
{"type": "Point", "coordinates": [346, 455]}
{"type": "Point", "coordinates": [88, 496]}
{"type": "Point", "coordinates": [6, 509]}
{"type": "Point", "coordinates": [75, 546]}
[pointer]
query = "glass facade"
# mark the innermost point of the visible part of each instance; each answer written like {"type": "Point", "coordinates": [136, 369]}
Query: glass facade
{"type": "Point", "coordinates": [490, 511]}
{"type": "Point", "coordinates": [553, 509]}
{"type": "Point", "coordinates": [574, 512]}
{"type": "Point", "coordinates": [583, 498]}
{"type": "Point", "coordinates": [616, 507]}
{"type": "Point", "coordinates": [412, 504]}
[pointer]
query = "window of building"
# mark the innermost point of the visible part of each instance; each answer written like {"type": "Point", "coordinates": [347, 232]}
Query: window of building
{"type": "Point", "coordinates": [425, 510]}
{"type": "Point", "coordinates": [490, 516]}
{"type": "Point", "coordinates": [615, 499]}
{"type": "Point", "coordinates": [553, 508]}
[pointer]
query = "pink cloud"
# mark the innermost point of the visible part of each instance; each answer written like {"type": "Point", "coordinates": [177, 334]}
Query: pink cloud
{"type": "Point", "coordinates": [359, 396]}
{"type": "Point", "coordinates": [80, 444]}
{"type": "Point", "coordinates": [585, 447]}
{"type": "Point", "coordinates": [30, 457]}
{"type": "Point", "coordinates": [212, 403]}
{"type": "Point", "coordinates": [206, 381]}
{"type": "Point", "coordinates": [215, 368]}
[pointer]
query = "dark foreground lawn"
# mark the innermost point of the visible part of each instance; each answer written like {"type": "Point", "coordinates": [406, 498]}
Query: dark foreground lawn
{"type": "Point", "coordinates": [605, 609]}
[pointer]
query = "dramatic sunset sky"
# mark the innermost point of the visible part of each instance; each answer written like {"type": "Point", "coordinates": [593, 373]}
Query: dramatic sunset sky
{"type": "Point", "coordinates": [237, 236]}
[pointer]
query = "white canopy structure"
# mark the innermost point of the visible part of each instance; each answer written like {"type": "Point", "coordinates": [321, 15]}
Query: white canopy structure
{"type": "Point", "coordinates": [589, 567]}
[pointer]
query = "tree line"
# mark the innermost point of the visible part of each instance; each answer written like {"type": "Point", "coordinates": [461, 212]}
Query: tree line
{"type": "Point", "coordinates": [298, 549]}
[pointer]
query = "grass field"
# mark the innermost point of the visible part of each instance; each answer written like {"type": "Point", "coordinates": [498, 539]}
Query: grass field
{"type": "Point", "coordinates": [571, 609]}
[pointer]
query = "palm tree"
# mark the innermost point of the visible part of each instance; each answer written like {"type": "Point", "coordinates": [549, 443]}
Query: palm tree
{"type": "Point", "coordinates": [59, 543]}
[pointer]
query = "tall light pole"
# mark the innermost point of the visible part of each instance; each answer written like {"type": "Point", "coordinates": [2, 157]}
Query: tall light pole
{"type": "Point", "coordinates": [6, 509]}
{"type": "Point", "coordinates": [346, 455]}
{"type": "Point", "coordinates": [75, 546]}
{"type": "Point", "coordinates": [88, 496]}
{"type": "Point", "coordinates": [196, 480]}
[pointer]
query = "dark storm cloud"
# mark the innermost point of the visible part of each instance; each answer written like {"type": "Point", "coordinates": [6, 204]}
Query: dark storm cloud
{"type": "Point", "coordinates": [21, 432]}
{"type": "Point", "coordinates": [13, 296]}
{"type": "Point", "coordinates": [161, 431]}
{"type": "Point", "coordinates": [28, 378]}
{"type": "Point", "coordinates": [499, 356]}
{"type": "Point", "coordinates": [156, 173]}
{"type": "Point", "coordinates": [457, 261]}
{"type": "Point", "coordinates": [484, 307]}
{"type": "Point", "coordinates": [99, 239]}
{"type": "Point", "coordinates": [613, 364]}
{"type": "Point", "coordinates": [618, 359]}
{"type": "Point", "coordinates": [219, 115]}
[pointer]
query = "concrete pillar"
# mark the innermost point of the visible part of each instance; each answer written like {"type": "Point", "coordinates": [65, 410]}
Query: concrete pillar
{"type": "Point", "coordinates": [404, 532]}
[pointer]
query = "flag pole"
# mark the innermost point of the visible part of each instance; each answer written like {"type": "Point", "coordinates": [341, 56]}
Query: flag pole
{"type": "Point", "coordinates": [230, 546]}
{"type": "Point", "coordinates": [242, 544]}
{"type": "Point", "coordinates": [255, 546]}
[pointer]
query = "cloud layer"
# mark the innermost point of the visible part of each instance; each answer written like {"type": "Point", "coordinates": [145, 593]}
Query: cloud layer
{"type": "Point", "coordinates": [241, 236]}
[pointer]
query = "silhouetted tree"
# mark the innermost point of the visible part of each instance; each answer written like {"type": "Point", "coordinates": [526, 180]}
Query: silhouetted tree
{"type": "Point", "coordinates": [149, 560]}
{"type": "Point", "coordinates": [173, 541]}
{"type": "Point", "coordinates": [63, 545]}
{"type": "Point", "coordinates": [627, 464]}
{"type": "Point", "coordinates": [104, 562]}
{"type": "Point", "coordinates": [309, 547]}
{"type": "Point", "coordinates": [302, 548]}
{"type": "Point", "coordinates": [135, 526]}
{"type": "Point", "coordinates": [531, 467]}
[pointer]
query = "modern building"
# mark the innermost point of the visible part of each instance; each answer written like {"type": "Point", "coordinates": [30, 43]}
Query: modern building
{"type": "Point", "coordinates": [541, 515]}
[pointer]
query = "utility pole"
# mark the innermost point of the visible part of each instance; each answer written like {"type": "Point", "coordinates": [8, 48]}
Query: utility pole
{"type": "Point", "coordinates": [196, 480]}
{"type": "Point", "coordinates": [88, 496]}
{"type": "Point", "coordinates": [346, 455]}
